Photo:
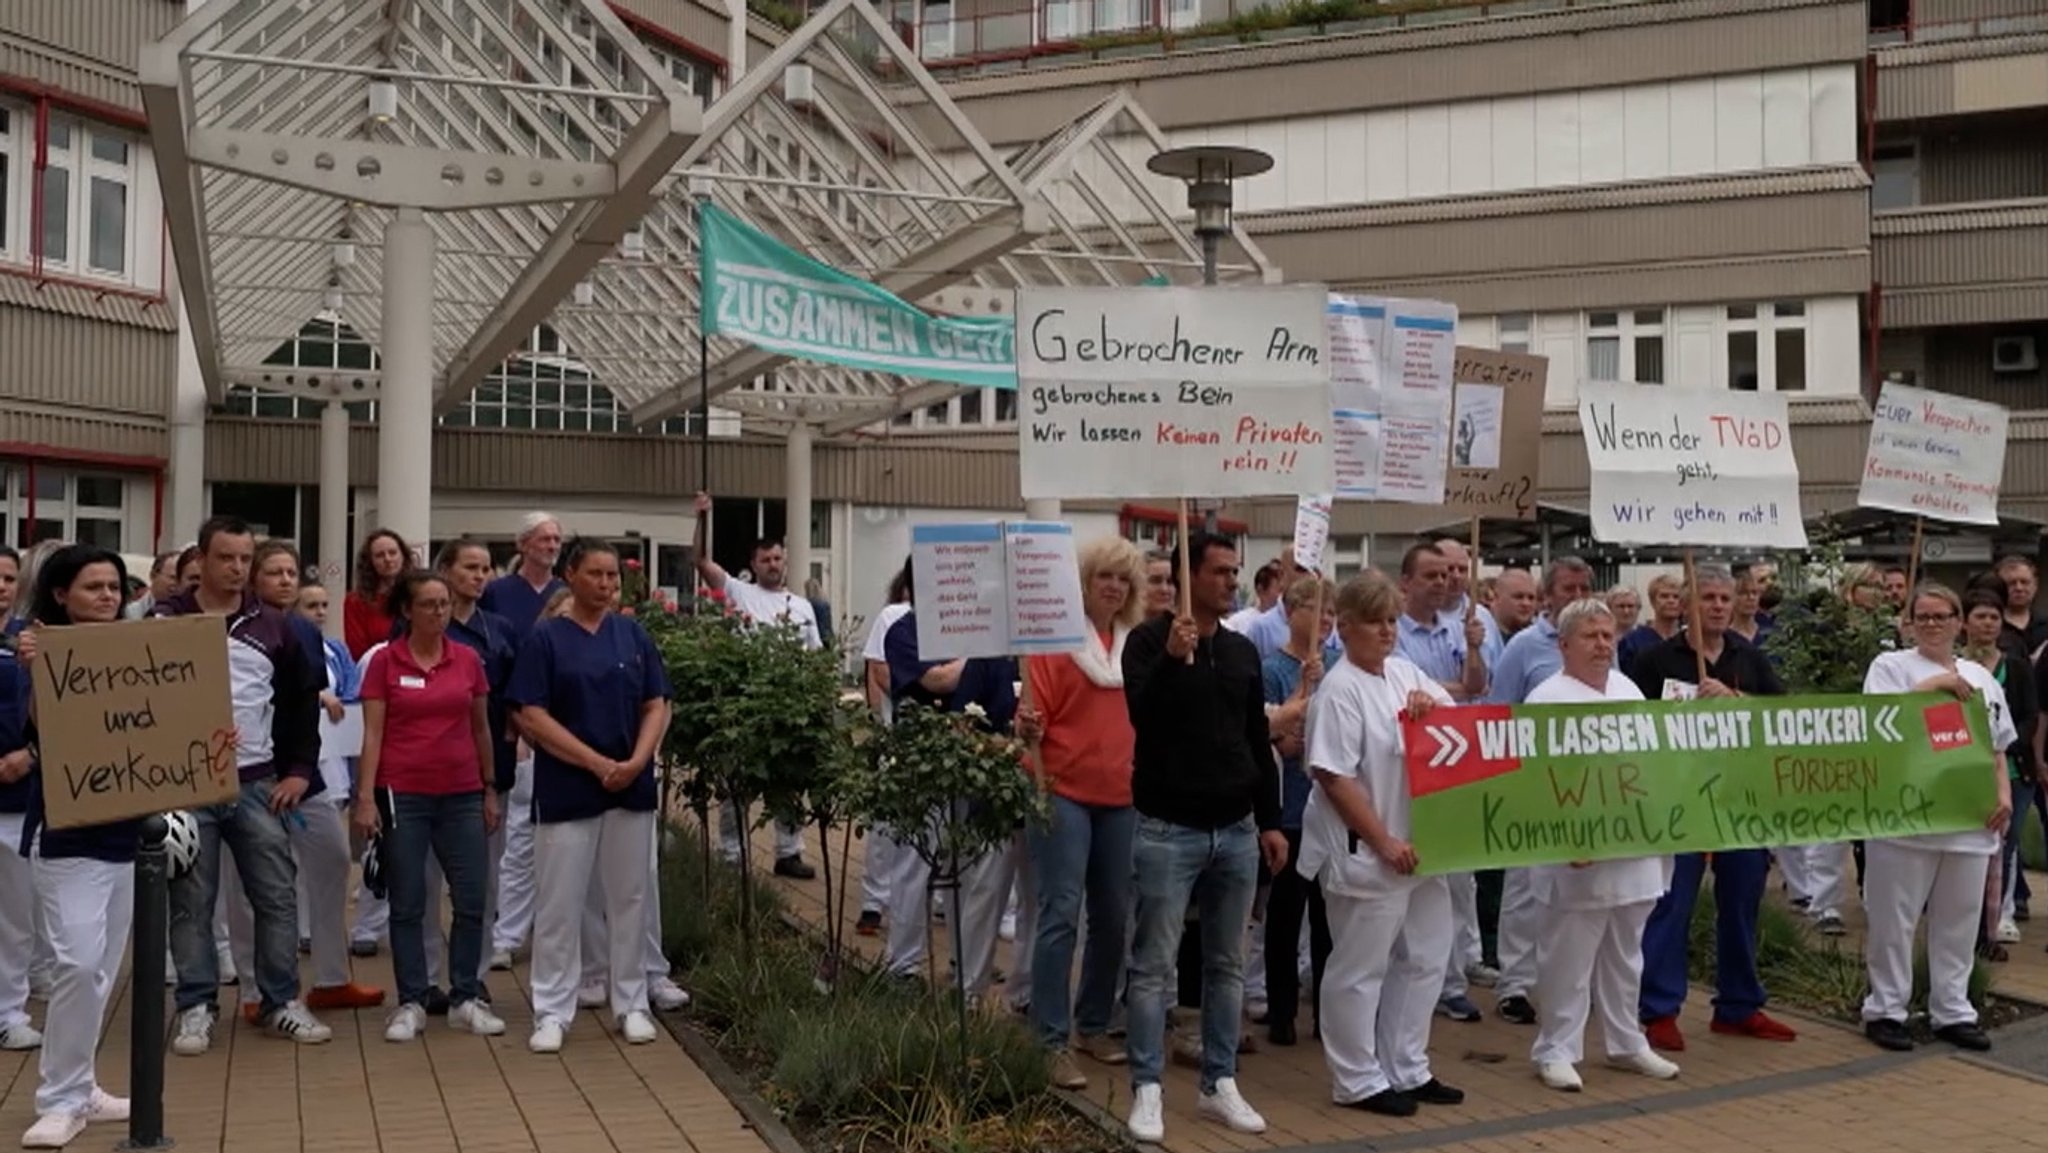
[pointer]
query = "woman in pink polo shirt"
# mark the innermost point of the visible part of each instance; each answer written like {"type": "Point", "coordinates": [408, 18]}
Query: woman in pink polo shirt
{"type": "Point", "coordinates": [425, 781]}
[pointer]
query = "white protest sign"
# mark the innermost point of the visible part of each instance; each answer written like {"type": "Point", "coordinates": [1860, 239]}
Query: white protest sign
{"type": "Point", "coordinates": [1676, 466]}
{"type": "Point", "coordinates": [993, 590]}
{"type": "Point", "coordinates": [1311, 531]}
{"type": "Point", "coordinates": [1173, 392]}
{"type": "Point", "coordinates": [1391, 386]}
{"type": "Point", "coordinates": [1933, 454]}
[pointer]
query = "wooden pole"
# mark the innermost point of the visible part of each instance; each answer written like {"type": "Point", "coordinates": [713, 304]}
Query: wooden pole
{"type": "Point", "coordinates": [1187, 590]}
{"type": "Point", "coordinates": [1472, 577]}
{"type": "Point", "coordinates": [1913, 561]}
{"type": "Point", "coordinates": [1692, 595]}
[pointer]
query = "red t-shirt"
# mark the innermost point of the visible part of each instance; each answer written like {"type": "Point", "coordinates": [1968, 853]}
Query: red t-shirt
{"type": "Point", "coordinates": [429, 746]}
{"type": "Point", "coordinates": [364, 624]}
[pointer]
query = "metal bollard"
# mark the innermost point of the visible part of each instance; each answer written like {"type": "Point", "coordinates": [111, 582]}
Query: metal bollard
{"type": "Point", "coordinates": [146, 991]}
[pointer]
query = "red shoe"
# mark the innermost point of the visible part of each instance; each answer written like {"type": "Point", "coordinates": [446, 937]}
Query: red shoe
{"type": "Point", "coordinates": [1664, 1036]}
{"type": "Point", "coordinates": [1756, 1025]}
{"type": "Point", "coordinates": [252, 1012]}
{"type": "Point", "coordinates": [349, 996]}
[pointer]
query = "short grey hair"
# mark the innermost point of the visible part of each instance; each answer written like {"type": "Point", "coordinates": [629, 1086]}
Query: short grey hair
{"type": "Point", "coordinates": [1712, 574]}
{"type": "Point", "coordinates": [1562, 565]}
{"type": "Point", "coordinates": [1580, 612]}
{"type": "Point", "coordinates": [535, 521]}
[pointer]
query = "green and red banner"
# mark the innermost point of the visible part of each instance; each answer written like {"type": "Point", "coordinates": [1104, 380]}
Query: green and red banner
{"type": "Point", "coordinates": [1511, 785]}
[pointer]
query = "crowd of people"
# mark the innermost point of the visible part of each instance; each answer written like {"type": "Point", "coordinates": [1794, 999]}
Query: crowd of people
{"type": "Point", "coordinates": [1229, 830]}
{"type": "Point", "coordinates": [490, 739]}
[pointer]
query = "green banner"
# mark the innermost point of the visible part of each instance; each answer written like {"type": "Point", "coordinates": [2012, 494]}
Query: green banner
{"type": "Point", "coordinates": [764, 292]}
{"type": "Point", "coordinates": [1509, 785]}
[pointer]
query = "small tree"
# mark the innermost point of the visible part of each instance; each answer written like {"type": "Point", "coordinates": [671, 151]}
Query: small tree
{"type": "Point", "coordinates": [1821, 642]}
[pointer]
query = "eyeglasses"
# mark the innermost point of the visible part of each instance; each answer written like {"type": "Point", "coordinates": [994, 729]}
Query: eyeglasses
{"type": "Point", "coordinates": [1933, 618]}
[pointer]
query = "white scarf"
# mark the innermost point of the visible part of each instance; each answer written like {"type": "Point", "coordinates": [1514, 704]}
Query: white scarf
{"type": "Point", "coordinates": [1104, 669]}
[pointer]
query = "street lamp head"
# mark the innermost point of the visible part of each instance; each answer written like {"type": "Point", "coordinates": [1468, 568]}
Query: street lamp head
{"type": "Point", "coordinates": [1209, 170]}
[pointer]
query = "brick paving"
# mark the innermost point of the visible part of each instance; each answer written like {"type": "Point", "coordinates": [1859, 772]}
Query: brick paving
{"type": "Point", "coordinates": [447, 1092]}
{"type": "Point", "coordinates": [1829, 1091]}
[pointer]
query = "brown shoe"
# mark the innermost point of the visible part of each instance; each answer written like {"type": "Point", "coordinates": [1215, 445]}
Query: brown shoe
{"type": "Point", "coordinates": [1105, 1049]}
{"type": "Point", "coordinates": [1066, 1073]}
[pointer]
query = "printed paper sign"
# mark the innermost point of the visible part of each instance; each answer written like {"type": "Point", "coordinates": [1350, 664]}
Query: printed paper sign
{"type": "Point", "coordinates": [1170, 392]}
{"type": "Point", "coordinates": [1676, 466]}
{"type": "Point", "coordinates": [1475, 426]}
{"type": "Point", "coordinates": [1936, 455]}
{"type": "Point", "coordinates": [1495, 786]}
{"type": "Point", "coordinates": [1311, 531]}
{"type": "Point", "coordinates": [992, 590]}
{"type": "Point", "coordinates": [134, 719]}
{"type": "Point", "coordinates": [1391, 367]}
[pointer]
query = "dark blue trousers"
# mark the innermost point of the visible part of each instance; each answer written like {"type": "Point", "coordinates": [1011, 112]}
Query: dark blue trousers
{"type": "Point", "coordinates": [1738, 894]}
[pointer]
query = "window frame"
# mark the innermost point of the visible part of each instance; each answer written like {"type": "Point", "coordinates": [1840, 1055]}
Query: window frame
{"type": "Point", "coordinates": [22, 240]}
{"type": "Point", "coordinates": [1766, 320]}
{"type": "Point", "coordinates": [1627, 329]}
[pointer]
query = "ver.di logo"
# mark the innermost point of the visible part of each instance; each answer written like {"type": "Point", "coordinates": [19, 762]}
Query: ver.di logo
{"type": "Point", "coordinates": [1946, 726]}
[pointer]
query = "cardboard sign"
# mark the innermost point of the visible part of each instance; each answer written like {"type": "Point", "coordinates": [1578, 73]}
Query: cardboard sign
{"type": "Point", "coordinates": [1675, 466]}
{"type": "Point", "coordinates": [994, 590]}
{"type": "Point", "coordinates": [1495, 786]}
{"type": "Point", "coordinates": [1311, 531]}
{"type": "Point", "coordinates": [1173, 392]}
{"type": "Point", "coordinates": [134, 719]}
{"type": "Point", "coordinates": [1936, 455]}
{"type": "Point", "coordinates": [1496, 434]}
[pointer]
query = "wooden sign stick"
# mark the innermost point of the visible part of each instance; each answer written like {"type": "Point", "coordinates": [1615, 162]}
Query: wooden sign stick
{"type": "Point", "coordinates": [1187, 590]}
{"type": "Point", "coordinates": [1913, 561]}
{"type": "Point", "coordinates": [1692, 592]}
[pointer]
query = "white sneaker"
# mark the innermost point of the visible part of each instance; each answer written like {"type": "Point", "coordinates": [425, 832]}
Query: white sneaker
{"type": "Point", "coordinates": [293, 1022]}
{"type": "Point", "coordinates": [1147, 1121]}
{"type": "Point", "coordinates": [1648, 1063]}
{"type": "Point", "coordinates": [501, 961]}
{"type": "Point", "coordinates": [638, 1028]}
{"type": "Point", "coordinates": [1559, 1075]}
{"type": "Point", "coordinates": [1481, 975]}
{"type": "Point", "coordinates": [406, 1022]}
{"type": "Point", "coordinates": [2008, 932]}
{"type": "Point", "coordinates": [104, 1106]}
{"type": "Point", "coordinates": [224, 961]}
{"type": "Point", "coordinates": [1227, 1105]}
{"type": "Point", "coordinates": [547, 1036]}
{"type": "Point", "coordinates": [667, 996]}
{"type": "Point", "coordinates": [195, 1032]}
{"type": "Point", "coordinates": [473, 1016]}
{"type": "Point", "coordinates": [18, 1037]}
{"type": "Point", "coordinates": [593, 995]}
{"type": "Point", "coordinates": [53, 1131]}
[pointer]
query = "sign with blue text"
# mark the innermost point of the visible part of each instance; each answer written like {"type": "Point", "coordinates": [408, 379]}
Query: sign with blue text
{"type": "Point", "coordinates": [1936, 455]}
{"type": "Point", "coordinates": [1173, 392]}
{"type": "Point", "coordinates": [991, 590]}
{"type": "Point", "coordinates": [1677, 466]}
{"type": "Point", "coordinates": [762, 291]}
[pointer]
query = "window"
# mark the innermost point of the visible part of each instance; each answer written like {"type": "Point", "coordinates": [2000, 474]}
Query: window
{"type": "Point", "coordinates": [1514, 332]}
{"type": "Point", "coordinates": [82, 507]}
{"type": "Point", "coordinates": [935, 38]}
{"type": "Point", "coordinates": [84, 189]}
{"type": "Point", "coordinates": [1624, 346]}
{"type": "Point", "coordinates": [1895, 176]}
{"type": "Point", "coordinates": [970, 406]}
{"type": "Point", "coordinates": [1006, 406]}
{"type": "Point", "coordinates": [1766, 347]}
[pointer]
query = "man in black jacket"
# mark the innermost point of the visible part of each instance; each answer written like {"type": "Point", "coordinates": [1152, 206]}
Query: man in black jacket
{"type": "Point", "coordinates": [1208, 797]}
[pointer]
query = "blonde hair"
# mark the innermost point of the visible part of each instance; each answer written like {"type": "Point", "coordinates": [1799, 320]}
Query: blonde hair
{"type": "Point", "coordinates": [1940, 592]}
{"type": "Point", "coordinates": [1667, 581]}
{"type": "Point", "coordinates": [557, 604]}
{"type": "Point", "coordinates": [1119, 557]}
{"type": "Point", "coordinates": [1309, 588]}
{"type": "Point", "coordinates": [1369, 597]}
{"type": "Point", "coordinates": [1862, 574]}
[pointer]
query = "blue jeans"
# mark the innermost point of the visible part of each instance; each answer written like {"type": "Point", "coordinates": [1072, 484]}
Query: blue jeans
{"type": "Point", "coordinates": [452, 827]}
{"type": "Point", "coordinates": [1738, 893]}
{"type": "Point", "coordinates": [2012, 881]}
{"type": "Point", "coordinates": [263, 857]}
{"type": "Point", "coordinates": [1220, 869]}
{"type": "Point", "coordinates": [1083, 853]}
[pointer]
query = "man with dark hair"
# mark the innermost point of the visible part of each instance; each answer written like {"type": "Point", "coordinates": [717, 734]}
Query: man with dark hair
{"type": "Point", "coordinates": [766, 598]}
{"type": "Point", "coordinates": [1267, 589]}
{"type": "Point", "coordinates": [1894, 579]}
{"type": "Point", "coordinates": [276, 704]}
{"type": "Point", "coordinates": [1207, 792]}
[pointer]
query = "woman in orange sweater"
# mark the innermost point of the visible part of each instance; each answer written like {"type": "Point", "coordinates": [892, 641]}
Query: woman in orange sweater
{"type": "Point", "coordinates": [1083, 855]}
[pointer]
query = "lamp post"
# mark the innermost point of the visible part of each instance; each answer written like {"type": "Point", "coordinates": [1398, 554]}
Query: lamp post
{"type": "Point", "coordinates": [1209, 171]}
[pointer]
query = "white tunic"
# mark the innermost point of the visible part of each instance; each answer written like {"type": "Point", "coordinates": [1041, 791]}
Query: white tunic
{"type": "Point", "coordinates": [1898, 672]}
{"type": "Point", "coordinates": [1354, 730]}
{"type": "Point", "coordinates": [1602, 884]}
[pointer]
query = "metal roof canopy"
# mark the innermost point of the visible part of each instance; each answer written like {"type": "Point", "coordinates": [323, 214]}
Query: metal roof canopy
{"type": "Point", "coordinates": [842, 145]}
{"type": "Point", "coordinates": [532, 132]}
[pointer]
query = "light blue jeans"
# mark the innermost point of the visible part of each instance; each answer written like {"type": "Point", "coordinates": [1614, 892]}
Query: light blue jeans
{"type": "Point", "coordinates": [1220, 870]}
{"type": "Point", "coordinates": [262, 850]}
{"type": "Point", "coordinates": [1083, 855]}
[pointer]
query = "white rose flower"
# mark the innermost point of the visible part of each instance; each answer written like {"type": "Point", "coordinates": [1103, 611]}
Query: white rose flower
{"type": "Point", "coordinates": [976, 711]}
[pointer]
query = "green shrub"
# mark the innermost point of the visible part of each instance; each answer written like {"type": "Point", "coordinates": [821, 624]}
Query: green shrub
{"type": "Point", "coordinates": [689, 927]}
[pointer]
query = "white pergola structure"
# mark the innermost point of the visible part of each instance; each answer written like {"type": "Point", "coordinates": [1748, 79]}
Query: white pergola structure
{"type": "Point", "coordinates": [443, 175]}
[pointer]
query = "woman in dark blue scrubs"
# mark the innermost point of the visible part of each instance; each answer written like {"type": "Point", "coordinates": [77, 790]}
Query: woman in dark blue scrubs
{"type": "Point", "coordinates": [592, 697]}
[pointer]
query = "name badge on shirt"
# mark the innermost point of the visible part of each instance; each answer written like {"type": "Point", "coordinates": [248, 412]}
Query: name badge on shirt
{"type": "Point", "coordinates": [412, 682]}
